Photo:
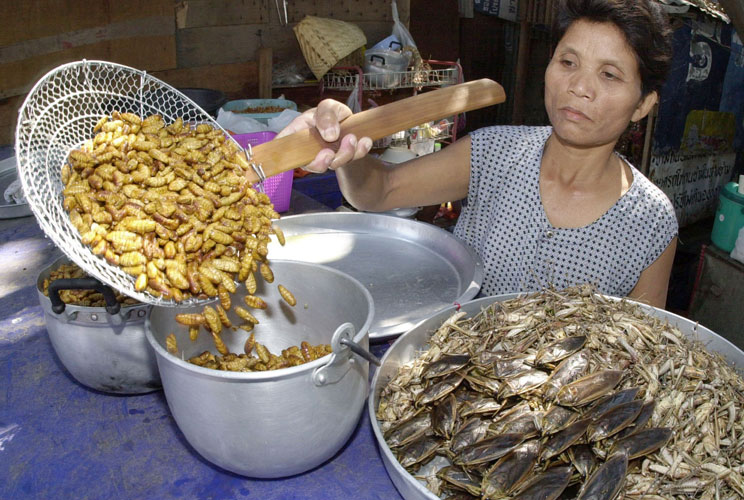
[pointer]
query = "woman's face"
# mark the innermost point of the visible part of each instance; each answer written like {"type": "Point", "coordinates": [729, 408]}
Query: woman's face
{"type": "Point", "coordinates": [593, 86]}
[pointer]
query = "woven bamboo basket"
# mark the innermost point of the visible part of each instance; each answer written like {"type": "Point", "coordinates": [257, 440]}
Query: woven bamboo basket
{"type": "Point", "coordinates": [324, 42]}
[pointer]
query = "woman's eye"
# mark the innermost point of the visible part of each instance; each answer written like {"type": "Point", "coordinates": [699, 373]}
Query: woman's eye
{"type": "Point", "coordinates": [609, 76]}
{"type": "Point", "coordinates": [567, 62]}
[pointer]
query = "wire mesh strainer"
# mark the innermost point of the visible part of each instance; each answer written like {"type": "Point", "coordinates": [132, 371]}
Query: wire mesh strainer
{"type": "Point", "coordinates": [58, 115]}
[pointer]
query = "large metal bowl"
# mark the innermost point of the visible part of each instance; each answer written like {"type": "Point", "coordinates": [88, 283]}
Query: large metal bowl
{"type": "Point", "coordinates": [106, 352]}
{"type": "Point", "coordinates": [412, 269]}
{"type": "Point", "coordinates": [282, 422]}
{"type": "Point", "coordinates": [409, 345]}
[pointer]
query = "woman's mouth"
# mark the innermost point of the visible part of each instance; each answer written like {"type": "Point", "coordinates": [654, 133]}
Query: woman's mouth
{"type": "Point", "coordinates": [573, 114]}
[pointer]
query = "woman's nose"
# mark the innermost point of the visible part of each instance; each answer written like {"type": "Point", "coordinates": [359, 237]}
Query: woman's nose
{"type": "Point", "coordinates": [581, 85]}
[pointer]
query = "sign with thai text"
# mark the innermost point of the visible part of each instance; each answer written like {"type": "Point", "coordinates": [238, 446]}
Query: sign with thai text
{"type": "Point", "coordinates": [692, 181]}
{"type": "Point", "coordinates": [505, 9]}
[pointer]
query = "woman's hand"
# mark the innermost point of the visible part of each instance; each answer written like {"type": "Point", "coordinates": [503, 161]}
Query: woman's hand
{"type": "Point", "coordinates": [327, 118]}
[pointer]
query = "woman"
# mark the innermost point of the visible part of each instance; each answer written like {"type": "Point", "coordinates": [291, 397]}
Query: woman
{"type": "Point", "coordinates": [546, 205]}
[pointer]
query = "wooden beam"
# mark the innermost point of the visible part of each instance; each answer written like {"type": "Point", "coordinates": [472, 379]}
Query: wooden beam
{"type": "Point", "coordinates": [265, 61]}
{"type": "Point", "coordinates": [236, 80]}
{"type": "Point", "coordinates": [201, 13]}
{"type": "Point", "coordinates": [650, 125]}
{"type": "Point", "coordinates": [8, 118]}
{"type": "Point", "coordinates": [151, 53]}
{"type": "Point", "coordinates": [523, 57]}
{"type": "Point", "coordinates": [735, 10]}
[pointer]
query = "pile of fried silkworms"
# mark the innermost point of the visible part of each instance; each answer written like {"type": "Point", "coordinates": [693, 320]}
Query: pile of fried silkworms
{"type": "Point", "coordinates": [77, 297]}
{"type": "Point", "coordinates": [172, 206]}
{"type": "Point", "coordinates": [264, 359]}
{"type": "Point", "coordinates": [566, 394]}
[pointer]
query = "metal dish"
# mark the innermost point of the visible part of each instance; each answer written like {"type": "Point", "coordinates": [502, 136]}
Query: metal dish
{"type": "Point", "coordinates": [8, 174]}
{"type": "Point", "coordinates": [412, 269]}
{"type": "Point", "coordinates": [409, 345]}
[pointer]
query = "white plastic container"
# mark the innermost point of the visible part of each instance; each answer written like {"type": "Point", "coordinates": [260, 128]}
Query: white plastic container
{"type": "Point", "coordinates": [382, 67]}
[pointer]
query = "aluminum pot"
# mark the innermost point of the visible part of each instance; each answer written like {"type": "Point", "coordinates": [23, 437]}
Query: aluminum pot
{"type": "Point", "coordinates": [282, 422]}
{"type": "Point", "coordinates": [410, 344]}
{"type": "Point", "coordinates": [103, 348]}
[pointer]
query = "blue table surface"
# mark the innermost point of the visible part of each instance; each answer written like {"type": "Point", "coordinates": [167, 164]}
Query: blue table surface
{"type": "Point", "coordinates": [59, 439]}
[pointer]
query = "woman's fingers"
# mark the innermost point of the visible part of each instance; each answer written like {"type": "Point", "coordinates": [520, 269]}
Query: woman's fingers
{"type": "Point", "coordinates": [349, 150]}
{"type": "Point", "coordinates": [327, 118]}
{"type": "Point", "coordinates": [362, 148]}
{"type": "Point", "coordinates": [321, 162]}
{"type": "Point", "coordinates": [304, 121]}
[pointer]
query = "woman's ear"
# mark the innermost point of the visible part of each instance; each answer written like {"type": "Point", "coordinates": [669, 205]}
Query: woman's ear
{"type": "Point", "coordinates": [644, 107]}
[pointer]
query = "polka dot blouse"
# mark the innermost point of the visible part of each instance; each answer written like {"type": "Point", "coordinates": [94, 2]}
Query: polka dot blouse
{"type": "Point", "coordinates": [504, 221]}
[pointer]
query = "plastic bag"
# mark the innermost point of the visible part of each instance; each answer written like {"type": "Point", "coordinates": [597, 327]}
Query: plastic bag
{"type": "Point", "coordinates": [353, 100]}
{"type": "Point", "coordinates": [278, 123]}
{"type": "Point", "coordinates": [400, 31]}
{"type": "Point", "coordinates": [238, 123]}
{"type": "Point", "coordinates": [14, 193]}
{"type": "Point", "coordinates": [738, 252]}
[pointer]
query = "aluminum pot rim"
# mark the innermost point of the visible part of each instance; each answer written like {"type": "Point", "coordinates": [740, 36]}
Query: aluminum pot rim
{"type": "Point", "coordinates": [278, 374]}
{"type": "Point", "coordinates": [384, 449]}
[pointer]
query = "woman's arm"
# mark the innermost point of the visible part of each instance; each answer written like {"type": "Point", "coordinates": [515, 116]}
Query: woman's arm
{"type": "Point", "coordinates": [653, 284]}
{"type": "Point", "coordinates": [370, 184]}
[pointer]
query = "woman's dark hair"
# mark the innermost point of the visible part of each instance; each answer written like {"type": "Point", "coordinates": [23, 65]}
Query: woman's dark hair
{"type": "Point", "coordinates": [644, 24]}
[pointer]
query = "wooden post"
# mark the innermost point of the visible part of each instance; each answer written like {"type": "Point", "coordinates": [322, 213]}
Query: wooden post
{"type": "Point", "coordinates": [265, 61]}
{"type": "Point", "coordinates": [735, 10]}
{"type": "Point", "coordinates": [523, 56]}
{"type": "Point", "coordinates": [650, 125]}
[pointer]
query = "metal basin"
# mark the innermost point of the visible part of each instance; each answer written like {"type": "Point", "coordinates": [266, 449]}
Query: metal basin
{"type": "Point", "coordinates": [282, 422]}
{"type": "Point", "coordinates": [410, 344]}
{"type": "Point", "coordinates": [106, 352]}
{"type": "Point", "coordinates": [412, 269]}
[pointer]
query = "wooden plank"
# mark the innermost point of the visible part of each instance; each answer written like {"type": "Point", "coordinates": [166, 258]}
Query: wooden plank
{"type": "Point", "coordinates": [237, 80]}
{"type": "Point", "coordinates": [265, 62]}
{"type": "Point", "coordinates": [648, 138]}
{"type": "Point", "coordinates": [735, 10]}
{"type": "Point", "coordinates": [228, 44]}
{"type": "Point", "coordinates": [136, 9]}
{"type": "Point", "coordinates": [344, 10]}
{"type": "Point", "coordinates": [217, 44]}
{"type": "Point", "coordinates": [202, 13]}
{"type": "Point", "coordinates": [28, 20]}
{"type": "Point", "coordinates": [148, 53]}
{"type": "Point", "coordinates": [523, 57]}
{"type": "Point", "coordinates": [146, 27]}
{"type": "Point", "coordinates": [24, 20]}
{"type": "Point", "coordinates": [435, 26]}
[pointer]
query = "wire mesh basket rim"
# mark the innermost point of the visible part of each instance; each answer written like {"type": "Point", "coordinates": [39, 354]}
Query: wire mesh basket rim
{"type": "Point", "coordinates": [35, 164]}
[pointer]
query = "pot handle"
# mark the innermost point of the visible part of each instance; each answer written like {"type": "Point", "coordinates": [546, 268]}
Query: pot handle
{"type": "Point", "coordinates": [342, 345]}
{"type": "Point", "coordinates": [112, 305]}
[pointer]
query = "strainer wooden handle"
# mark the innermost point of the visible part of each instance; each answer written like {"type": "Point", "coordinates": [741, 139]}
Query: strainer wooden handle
{"type": "Point", "coordinates": [300, 148]}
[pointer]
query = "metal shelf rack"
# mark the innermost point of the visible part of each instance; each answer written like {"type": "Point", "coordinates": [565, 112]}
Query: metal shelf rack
{"type": "Point", "coordinates": [346, 78]}
{"type": "Point", "coordinates": [439, 74]}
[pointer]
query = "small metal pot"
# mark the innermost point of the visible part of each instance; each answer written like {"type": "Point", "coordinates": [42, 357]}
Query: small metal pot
{"type": "Point", "coordinates": [282, 422]}
{"type": "Point", "coordinates": [103, 348]}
